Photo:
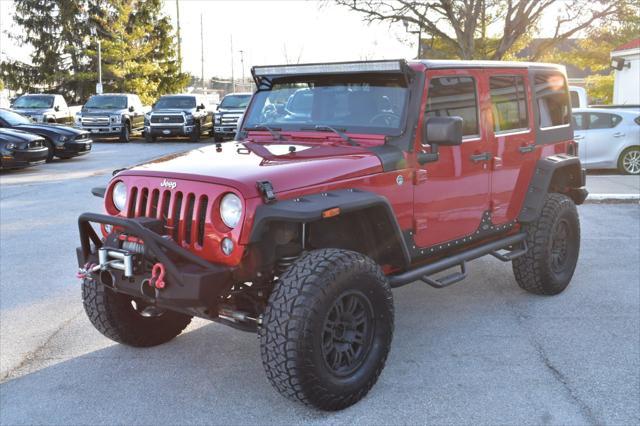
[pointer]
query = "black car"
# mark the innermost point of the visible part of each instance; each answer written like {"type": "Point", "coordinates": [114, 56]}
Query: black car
{"type": "Point", "coordinates": [20, 149]}
{"type": "Point", "coordinates": [178, 115]}
{"type": "Point", "coordinates": [60, 141]}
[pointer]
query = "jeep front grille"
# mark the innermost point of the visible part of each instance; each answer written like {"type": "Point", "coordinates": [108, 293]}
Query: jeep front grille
{"type": "Point", "coordinates": [183, 215]}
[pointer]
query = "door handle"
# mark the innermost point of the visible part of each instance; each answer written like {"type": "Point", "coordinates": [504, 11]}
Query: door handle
{"type": "Point", "coordinates": [527, 148]}
{"type": "Point", "coordinates": [484, 156]}
{"type": "Point", "coordinates": [578, 137]}
{"type": "Point", "coordinates": [618, 135]}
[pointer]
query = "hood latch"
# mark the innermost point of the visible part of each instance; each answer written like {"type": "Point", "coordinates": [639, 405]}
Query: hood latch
{"type": "Point", "coordinates": [266, 189]}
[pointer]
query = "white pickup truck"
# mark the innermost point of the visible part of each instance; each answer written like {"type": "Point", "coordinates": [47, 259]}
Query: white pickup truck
{"type": "Point", "coordinates": [45, 108]}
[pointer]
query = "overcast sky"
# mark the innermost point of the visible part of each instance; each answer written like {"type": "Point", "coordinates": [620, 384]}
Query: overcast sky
{"type": "Point", "coordinates": [269, 32]}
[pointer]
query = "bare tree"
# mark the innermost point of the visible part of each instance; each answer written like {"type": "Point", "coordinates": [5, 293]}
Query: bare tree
{"type": "Point", "coordinates": [464, 27]}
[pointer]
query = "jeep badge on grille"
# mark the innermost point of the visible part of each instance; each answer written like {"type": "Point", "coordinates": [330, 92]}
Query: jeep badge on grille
{"type": "Point", "coordinates": [168, 184]}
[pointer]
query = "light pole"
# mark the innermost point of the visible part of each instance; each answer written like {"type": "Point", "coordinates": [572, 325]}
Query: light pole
{"type": "Point", "coordinates": [242, 65]}
{"type": "Point", "coordinates": [99, 85]}
{"type": "Point", "coordinates": [419, 32]}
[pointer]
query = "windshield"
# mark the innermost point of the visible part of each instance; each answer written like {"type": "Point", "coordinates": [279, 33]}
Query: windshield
{"type": "Point", "coordinates": [235, 101]}
{"type": "Point", "coordinates": [13, 118]}
{"type": "Point", "coordinates": [357, 104]}
{"type": "Point", "coordinates": [34, 102]}
{"type": "Point", "coordinates": [176, 102]}
{"type": "Point", "coordinates": [106, 102]}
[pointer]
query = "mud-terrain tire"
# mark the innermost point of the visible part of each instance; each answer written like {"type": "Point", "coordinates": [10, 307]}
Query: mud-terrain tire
{"type": "Point", "coordinates": [125, 133]}
{"type": "Point", "coordinates": [327, 329]}
{"type": "Point", "coordinates": [554, 245]}
{"type": "Point", "coordinates": [113, 315]}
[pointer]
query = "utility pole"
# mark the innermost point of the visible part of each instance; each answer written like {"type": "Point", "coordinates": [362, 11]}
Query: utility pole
{"type": "Point", "coordinates": [202, 53]}
{"type": "Point", "coordinates": [242, 65]}
{"type": "Point", "coordinates": [233, 81]}
{"type": "Point", "coordinates": [179, 39]}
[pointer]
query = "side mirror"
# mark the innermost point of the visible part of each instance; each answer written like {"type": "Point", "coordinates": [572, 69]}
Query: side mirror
{"type": "Point", "coordinates": [153, 105]}
{"type": "Point", "coordinates": [56, 108]}
{"type": "Point", "coordinates": [131, 108]}
{"type": "Point", "coordinates": [202, 106]}
{"type": "Point", "coordinates": [446, 131]}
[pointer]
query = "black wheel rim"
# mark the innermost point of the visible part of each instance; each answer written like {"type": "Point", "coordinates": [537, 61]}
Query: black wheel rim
{"type": "Point", "coordinates": [560, 246]}
{"type": "Point", "coordinates": [347, 333]}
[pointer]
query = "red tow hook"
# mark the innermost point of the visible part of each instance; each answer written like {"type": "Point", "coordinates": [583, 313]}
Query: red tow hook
{"type": "Point", "coordinates": [157, 276]}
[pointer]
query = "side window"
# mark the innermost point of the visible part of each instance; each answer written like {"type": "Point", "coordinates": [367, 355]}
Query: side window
{"type": "Point", "coordinates": [579, 122]}
{"type": "Point", "coordinates": [509, 101]}
{"type": "Point", "coordinates": [454, 97]}
{"type": "Point", "coordinates": [603, 121]}
{"type": "Point", "coordinates": [575, 99]}
{"type": "Point", "coordinates": [552, 99]}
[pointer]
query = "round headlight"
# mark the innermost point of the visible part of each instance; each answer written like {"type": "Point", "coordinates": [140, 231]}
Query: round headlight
{"type": "Point", "coordinates": [119, 195]}
{"type": "Point", "coordinates": [231, 210]}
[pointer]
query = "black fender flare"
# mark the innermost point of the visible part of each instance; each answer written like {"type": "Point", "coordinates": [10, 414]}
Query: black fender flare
{"type": "Point", "coordinates": [309, 208]}
{"type": "Point", "coordinates": [546, 169]}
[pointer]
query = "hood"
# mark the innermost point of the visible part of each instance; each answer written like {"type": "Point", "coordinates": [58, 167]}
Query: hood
{"type": "Point", "coordinates": [174, 110]}
{"type": "Point", "coordinates": [103, 112]}
{"type": "Point", "coordinates": [14, 135]}
{"type": "Point", "coordinates": [49, 129]}
{"type": "Point", "coordinates": [228, 110]}
{"type": "Point", "coordinates": [242, 165]}
{"type": "Point", "coordinates": [32, 111]}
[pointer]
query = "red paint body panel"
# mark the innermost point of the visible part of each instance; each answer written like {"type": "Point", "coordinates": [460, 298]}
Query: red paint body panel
{"type": "Point", "coordinates": [439, 201]}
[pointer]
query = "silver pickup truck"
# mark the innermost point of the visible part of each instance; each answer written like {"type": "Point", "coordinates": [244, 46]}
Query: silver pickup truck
{"type": "Point", "coordinates": [45, 108]}
{"type": "Point", "coordinates": [112, 115]}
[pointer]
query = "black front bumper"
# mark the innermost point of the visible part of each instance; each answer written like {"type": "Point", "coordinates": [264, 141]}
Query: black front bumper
{"type": "Point", "coordinates": [193, 285]}
{"type": "Point", "coordinates": [75, 148]}
{"type": "Point", "coordinates": [24, 158]}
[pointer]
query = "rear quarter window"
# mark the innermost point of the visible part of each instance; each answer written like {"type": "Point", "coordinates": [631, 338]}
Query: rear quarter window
{"type": "Point", "coordinates": [552, 99]}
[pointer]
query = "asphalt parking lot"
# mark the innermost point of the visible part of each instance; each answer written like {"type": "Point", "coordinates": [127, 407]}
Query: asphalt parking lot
{"type": "Point", "coordinates": [480, 352]}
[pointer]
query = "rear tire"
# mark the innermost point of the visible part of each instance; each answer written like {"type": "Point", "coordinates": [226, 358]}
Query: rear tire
{"type": "Point", "coordinates": [327, 329]}
{"type": "Point", "coordinates": [629, 161]}
{"type": "Point", "coordinates": [114, 315]}
{"type": "Point", "coordinates": [554, 245]}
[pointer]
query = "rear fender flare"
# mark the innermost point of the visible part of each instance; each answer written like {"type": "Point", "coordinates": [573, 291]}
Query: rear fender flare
{"type": "Point", "coordinates": [557, 173]}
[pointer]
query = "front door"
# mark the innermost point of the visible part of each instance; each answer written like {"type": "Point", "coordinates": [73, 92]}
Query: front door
{"type": "Point", "coordinates": [452, 194]}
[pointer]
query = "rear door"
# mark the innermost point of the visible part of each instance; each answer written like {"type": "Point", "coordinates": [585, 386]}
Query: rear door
{"type": "Point", "coordinates": [604, 138]}
{"type": "Point", "coordinates": [513, 145]}
{"type": "Point", "coordinates": [452, 194]}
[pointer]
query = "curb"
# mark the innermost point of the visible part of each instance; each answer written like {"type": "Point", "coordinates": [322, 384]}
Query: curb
{"type": "Point", "coordinates": [613, 198]}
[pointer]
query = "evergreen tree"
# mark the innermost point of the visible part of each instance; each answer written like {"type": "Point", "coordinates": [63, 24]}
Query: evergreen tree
{"type": "Point", "coordinates": [138, 48]}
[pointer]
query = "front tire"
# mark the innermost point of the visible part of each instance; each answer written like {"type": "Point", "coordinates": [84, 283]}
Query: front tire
{"type": "Point", "coordinates": [125, 133]}
{"type": "Point", "coordinates": [327, 329]}
{"type": "Point", "coordinates": [554, 244]}
{"type": "Point", "coordinates": [629, 161]}
{"type": "Point", "coordinates": [114, 315]}
{"type": "Point", "coordinates": [195, 134]}
{"type": "Point", "coordinates": [50, 150]}
{"type": "Point", "coordinates": [149, 139]}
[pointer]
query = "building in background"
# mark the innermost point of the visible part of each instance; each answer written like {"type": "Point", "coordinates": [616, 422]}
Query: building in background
{"type": "Point", "coordinates": [625, 60]}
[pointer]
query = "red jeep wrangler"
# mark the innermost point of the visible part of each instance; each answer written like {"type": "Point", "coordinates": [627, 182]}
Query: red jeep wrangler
{"type": "Point", "coordinates": [347, 180]}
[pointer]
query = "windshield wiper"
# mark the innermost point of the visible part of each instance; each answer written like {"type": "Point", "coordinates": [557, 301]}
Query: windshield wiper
{"type": "Point", "coordinates": [273, 130]}
{"type": "Point", "coordinates": [339, 132]}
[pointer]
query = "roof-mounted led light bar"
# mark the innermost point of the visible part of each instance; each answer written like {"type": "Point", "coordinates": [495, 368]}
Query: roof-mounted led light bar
{"type": "Point", "coordinates": [331, 68]}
